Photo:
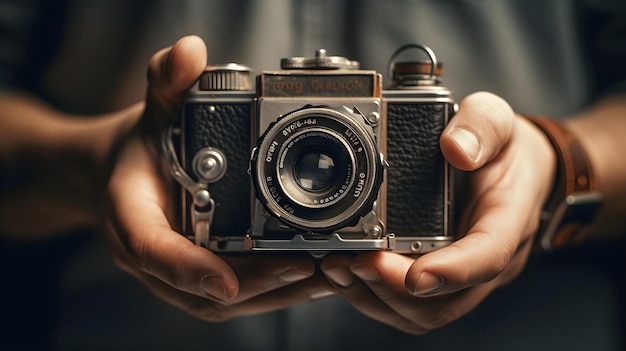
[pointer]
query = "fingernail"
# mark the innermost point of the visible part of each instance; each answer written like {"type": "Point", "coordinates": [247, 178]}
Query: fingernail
{"type": "Point", "coordinates": [366, 272]}
{"type": "Point", "coordinates": [427, 284]}
{"type": "Point", "coordinates": [292, 275]}
{"type": "Point", "coordinates": [321, 294]}
{"type": "Point", "coordinates": [468, 141]}
{"type": "Point", "coordinates": [340, 276]}
{"type": "Point", "coordinates": [214, 287]}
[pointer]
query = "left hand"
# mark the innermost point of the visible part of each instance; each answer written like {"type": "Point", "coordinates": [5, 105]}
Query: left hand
{"type": "Point", "coordinates": [512, 169]}
{"type": "Point", "coordinates": [141, 218]}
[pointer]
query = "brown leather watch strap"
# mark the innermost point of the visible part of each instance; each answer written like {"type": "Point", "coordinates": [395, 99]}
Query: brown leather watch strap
{"type": "Point", "coordinates": [574, 200]}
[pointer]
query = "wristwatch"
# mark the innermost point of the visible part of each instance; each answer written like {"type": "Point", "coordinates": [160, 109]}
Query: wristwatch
{"type": "Point", "coordinates": [575, 200]}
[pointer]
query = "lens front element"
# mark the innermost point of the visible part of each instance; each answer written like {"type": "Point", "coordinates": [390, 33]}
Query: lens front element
{"type": "Point", "coordinates": [314, 171]}
{"type": "Point", "coordinates": [316, 167]}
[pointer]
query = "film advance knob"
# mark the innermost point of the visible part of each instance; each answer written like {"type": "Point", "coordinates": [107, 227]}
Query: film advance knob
{"type": "Point", "coordinates": [228, 77]}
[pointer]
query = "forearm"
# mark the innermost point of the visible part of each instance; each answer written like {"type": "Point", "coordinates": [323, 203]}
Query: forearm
{"type": "Point", "coordinates": [53, 165]}
{"type": "Point", "coordinates": [602, 132]}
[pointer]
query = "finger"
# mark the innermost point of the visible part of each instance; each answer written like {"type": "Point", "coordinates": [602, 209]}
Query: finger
{"type": "Point", "coordinates": [479, 130]}
{"type": "Point", "coordinates": [139, 219]}
{"type": "Point", "coordinates": [312, 288]}
{"type": "Point", "coordinates": [477, 257]}
{"type": "Point", "coordinates": [384, 274]}
{"type": "Point", "coordinates": [358, 293]}
{"type": "Point", "coordinates": [502, 215]}
{"type": "Point", "coordinates": [259, 274]}
{"type": "Point", "coordinates": [173, 70]}
{"type": "Point", "coordinates": [212, 311]}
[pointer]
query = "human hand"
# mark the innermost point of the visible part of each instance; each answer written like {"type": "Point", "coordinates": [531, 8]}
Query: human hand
{"type": "Point", "coordinates": [141, 216]}
{"type": "Point", "coordinates": [511, 166]}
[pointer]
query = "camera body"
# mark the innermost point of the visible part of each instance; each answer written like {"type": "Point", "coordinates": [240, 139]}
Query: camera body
{"type": "Point", "coordinates": [318, 158]}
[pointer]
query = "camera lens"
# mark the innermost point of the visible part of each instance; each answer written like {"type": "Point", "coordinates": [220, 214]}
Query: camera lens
{"type": "Point", "coordinates": [314, 171]}
{"type": "Point", "coordinates": [317, 169]}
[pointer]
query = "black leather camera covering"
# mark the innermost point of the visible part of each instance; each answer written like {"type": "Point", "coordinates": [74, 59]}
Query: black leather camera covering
{"type": "Point", "coordinates": [415, 192]}
{"type": "Point", "coordinates": [416, 195]}
{"type": "Point", "coordinates": [227, 128]}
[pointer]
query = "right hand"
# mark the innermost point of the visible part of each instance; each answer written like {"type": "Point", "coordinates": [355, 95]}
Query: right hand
{"type": "Point", "coordinates": [510, 165]}
{"type": "Point", "coordinates": [212, 287]}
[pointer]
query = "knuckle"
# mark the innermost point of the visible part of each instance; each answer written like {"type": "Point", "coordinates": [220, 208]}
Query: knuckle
{"type": "Point", "coordinates": [158, 65]}
{"type": "Point", "coordinates": [178, 275]}
{"type": "Point", "coordinates": [408, 325]}
{"type": "Point", "coordinates": [438, 318]}
{"type": "Point", "coordinates": [416, 330]}
{"type": "Point", "coordinates": [516, 267]}
{"type": "Point", "coordinates": [209, 311]}
{"type": "Point", "coordinates": [122, 263]}
{"type": "Point", "coordinates": [494, 259]}
{"type": "Point", "coordinates": [137, 251]}
{"type": "Point", "coordinates": [145, 253]}
{"type": "Point", "coordinates": [495, 113]}
{"type": "Point", "coordinates": [501, 258]}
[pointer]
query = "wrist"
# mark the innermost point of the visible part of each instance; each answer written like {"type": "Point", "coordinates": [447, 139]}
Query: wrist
{"type": "Point", "coordinates": [100, 135]}
{"type": "Point", "coordinates": [54, 165]}
{"type": "Point", "coordinates": [574, 200]}
{"type": "Point", "coordinates": [601, 129]}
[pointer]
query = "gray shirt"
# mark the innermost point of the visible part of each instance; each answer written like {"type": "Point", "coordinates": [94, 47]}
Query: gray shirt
{"type": "Point", "coordinates": [532, 53]}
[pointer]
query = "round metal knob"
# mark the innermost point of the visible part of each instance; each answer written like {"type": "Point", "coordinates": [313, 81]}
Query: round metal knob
{"type": "Point", "coordinates": [209, 165]}
{"type": "Point", "coordinates": [228, 77]}
{"type": "Point", "coordinates": [321, 61]}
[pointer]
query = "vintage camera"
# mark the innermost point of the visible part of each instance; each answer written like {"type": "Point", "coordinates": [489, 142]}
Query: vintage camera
{"type": "Point", "coordinates": [318, 158]}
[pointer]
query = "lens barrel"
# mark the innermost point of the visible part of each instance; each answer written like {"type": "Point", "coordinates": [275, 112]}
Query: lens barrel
{"type": "Point", "coordinates": [317, 169]}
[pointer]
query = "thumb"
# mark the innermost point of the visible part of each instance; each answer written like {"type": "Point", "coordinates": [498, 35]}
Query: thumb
{"type": "Point", "coordinates": [172, 71]}
{"type": "Point", "coordinates": [479, 130]}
